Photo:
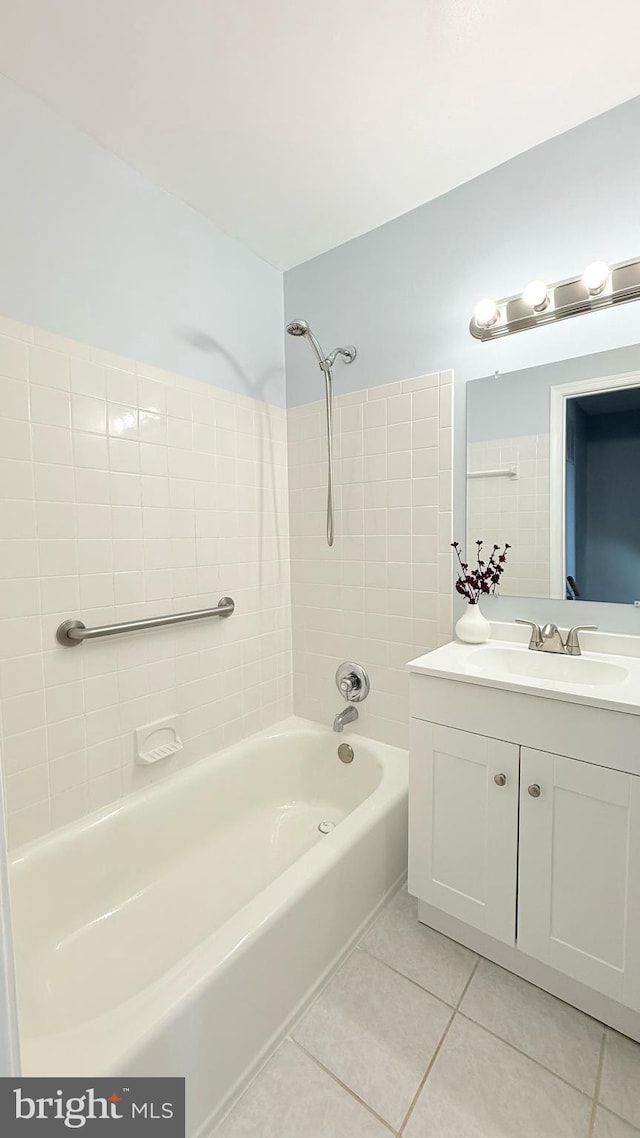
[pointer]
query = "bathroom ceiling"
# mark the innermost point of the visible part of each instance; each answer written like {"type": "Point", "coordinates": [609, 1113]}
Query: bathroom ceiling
{"type": "Point", "coordinates": [295, 125]}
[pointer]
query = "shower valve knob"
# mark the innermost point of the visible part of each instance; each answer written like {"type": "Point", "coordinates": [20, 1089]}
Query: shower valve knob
{"type": "Point", "coordinates": [352, 682]}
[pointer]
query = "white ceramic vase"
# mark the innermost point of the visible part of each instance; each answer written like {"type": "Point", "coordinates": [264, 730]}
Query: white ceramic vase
{"type": "Point", "coordinates": [473, 627]}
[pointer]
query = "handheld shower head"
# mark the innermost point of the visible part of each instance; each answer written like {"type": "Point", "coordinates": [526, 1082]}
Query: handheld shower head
{"type": "Point", "coordinates": [301, 328]}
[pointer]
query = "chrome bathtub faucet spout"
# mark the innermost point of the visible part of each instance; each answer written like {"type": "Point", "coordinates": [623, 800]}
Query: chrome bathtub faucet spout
{"type": "Point", "coordinates": [348, 715]}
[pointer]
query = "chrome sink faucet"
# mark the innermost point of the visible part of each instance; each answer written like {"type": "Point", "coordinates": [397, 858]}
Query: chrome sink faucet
{"type": "Point", "coordinates": [549, 638]}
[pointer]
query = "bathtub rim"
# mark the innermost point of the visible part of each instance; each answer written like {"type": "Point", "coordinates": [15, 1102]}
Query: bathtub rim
{"type": "Point", "coordinates": [284, 727]}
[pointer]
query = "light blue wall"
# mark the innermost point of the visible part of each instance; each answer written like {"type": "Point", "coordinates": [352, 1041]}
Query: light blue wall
{"type": "Point", "coordinates": [404, 293]}
{"type": "Point", "coordinates": [92, 250]}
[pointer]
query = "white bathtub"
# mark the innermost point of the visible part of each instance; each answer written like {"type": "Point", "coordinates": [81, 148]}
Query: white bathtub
{"type": "Point", "coordinates": [181, 931]}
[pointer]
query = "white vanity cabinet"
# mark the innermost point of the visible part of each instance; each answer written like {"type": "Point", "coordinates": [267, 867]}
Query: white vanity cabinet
{"type": "Point", "coordinates": [529, 856]}
{"type": "Point", "coordinates": [579, 872]}
{"type": "Point", "coordinates": [463, 822]}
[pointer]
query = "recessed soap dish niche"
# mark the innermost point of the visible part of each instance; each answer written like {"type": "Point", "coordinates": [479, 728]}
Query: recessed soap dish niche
{"type": "Point", "coordinates": [158, 740]}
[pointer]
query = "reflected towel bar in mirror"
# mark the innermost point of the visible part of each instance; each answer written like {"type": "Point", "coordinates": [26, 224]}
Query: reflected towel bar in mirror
{"type": "Point", "coordinates": [73, 632]}
{"type": "Point", "coordinates": [510, 471]}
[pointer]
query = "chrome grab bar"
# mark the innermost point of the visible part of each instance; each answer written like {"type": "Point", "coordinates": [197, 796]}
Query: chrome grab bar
{"type": "Point", "coordinates": [73, 632]}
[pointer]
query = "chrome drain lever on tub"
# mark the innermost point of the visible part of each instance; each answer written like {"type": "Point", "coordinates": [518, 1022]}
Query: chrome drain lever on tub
{"type": "Point", "coordinates": [326, 827]}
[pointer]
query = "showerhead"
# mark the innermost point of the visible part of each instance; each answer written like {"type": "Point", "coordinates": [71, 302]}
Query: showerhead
{"type": "Point", "coordinates": [298, 328]}
{"type": "Point", "coordinates": [301, 328]}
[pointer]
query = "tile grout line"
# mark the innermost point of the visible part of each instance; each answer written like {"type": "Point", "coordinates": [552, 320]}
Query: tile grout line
{"type": "Point", "coordinates": [596, 1092]}
{"type": "Point", "coordinates": [343, 1086]}
{"type": "Point", "coordinates": [619, 1118]}
{"type": "Point", "coordinates": [598, 1081]}
{"type": "Point", "coordinates": [415, 983]}
{"type": "Point", "coordinates": [525, 1054]}
{"type": "Point", "coordinates": [423, 1081]}
{"type": "Point", "coordinates": [426, 1075]}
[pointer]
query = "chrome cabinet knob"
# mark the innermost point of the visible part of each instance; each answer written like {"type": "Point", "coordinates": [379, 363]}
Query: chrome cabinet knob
{"type": "Point", "coordinates": [534, 790]}
{"type": "Point", "coordinates": [500, 779]}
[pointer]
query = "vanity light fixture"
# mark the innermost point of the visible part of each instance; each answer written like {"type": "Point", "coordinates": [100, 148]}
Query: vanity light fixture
{"type": "Point", "coordinates": [536, 295]}
{"type": "Point", "coordinates": [599, 286]}
{"type": "Point", "coordinates": [486, 313]}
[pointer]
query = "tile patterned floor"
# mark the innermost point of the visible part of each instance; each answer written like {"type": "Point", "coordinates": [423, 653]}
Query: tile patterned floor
{"type": "Point", "coordinates": [416, 1036]}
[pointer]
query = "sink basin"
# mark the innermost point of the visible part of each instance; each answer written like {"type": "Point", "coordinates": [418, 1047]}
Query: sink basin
{"type": "Point", "coordinates": [573, 670]}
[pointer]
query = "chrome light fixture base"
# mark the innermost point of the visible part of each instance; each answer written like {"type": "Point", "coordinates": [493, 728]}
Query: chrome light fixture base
{"type": "Point", "coordinates": [571, 297]}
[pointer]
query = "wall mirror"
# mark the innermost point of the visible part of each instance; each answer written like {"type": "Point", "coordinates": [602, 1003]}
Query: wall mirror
{"type": "Point", "coordinates": [553, 468]}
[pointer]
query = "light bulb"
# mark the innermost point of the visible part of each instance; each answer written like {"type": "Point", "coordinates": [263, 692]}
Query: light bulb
{"type": "Point", "coordinates": [486, 313]}
{"type": "Point", "coordinates": [595, 277]}
{"type": "Point", "coordinates": [536, 295]}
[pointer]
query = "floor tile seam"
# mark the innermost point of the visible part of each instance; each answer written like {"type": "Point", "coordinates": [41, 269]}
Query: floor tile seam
{"type": "Point", "coordinates": [425, 1077]}
{"type": "Point", "coordinates": [619, 1117]}
{"type": "Point", "coordinates": [608, 1031]}
{"type": "Point", "coordinates": [468, 983]}
{"type": "Point", "coordinates": [447, 1003]}
{"type": "Point", "coordinates": [343, 1086]}
{"type": "Point", "coordinates": [596, 1092]}
{"type": "Point", "coordinates": [423, 1081]}
{"type": "Point", "coordinates": [525, 1055]}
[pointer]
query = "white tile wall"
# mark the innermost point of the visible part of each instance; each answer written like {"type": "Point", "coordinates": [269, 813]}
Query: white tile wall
{"type": "Point", "coordinates": [127, 492]}
{"type": "Point", "coordinates": [513, 510]}
{"type": "Point", "coordinates": [382, 594]}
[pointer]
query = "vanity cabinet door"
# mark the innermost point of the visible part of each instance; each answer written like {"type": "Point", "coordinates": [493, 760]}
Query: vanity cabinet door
{"type": "Point", "coordinates": [463, 826]}
{"type": "Point", "coordinates": [579, 878]}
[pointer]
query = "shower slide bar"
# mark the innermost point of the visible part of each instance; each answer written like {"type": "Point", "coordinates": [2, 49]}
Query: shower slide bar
{"type": "Point", "coordinates": [71, 633]}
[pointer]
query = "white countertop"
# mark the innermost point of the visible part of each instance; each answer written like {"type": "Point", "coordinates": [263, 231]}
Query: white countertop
{"type": "Point", "coordinates": [488, 665]}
